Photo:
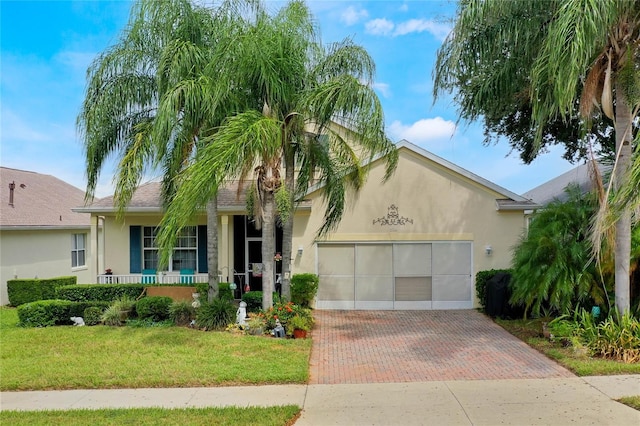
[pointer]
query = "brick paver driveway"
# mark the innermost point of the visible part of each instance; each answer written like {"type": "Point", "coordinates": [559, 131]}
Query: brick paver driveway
{"type": "Point", "coordinates": [412, 346]}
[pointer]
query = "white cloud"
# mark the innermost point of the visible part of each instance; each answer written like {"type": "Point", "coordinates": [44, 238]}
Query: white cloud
{"type": "Point", "coordinates": [352, 16]}
{"type": "Point", "coordinates": [379, 27]}
{"type": "Point", "coordinates": [383, 88]}
{"type": "Point", "coordinates": [424, 131]}
{"type": "Point", "coordinates": [404, 7]}
{"type": "Point", "coordinates": [438, 29]}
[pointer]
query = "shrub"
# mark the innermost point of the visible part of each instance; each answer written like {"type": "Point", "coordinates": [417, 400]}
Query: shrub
{"type": "Point", "coordinates": [103, 292]}
{"type": "Point", "coordinates": [92, 315]}
{"type": "Point", "coordinates": [224, 291]}
{"type": "Point", "coordinates": [284, 312]}
{"type": "Point", "coordinates": [304, 288]}
{"type": "Point", "coordinates": [616, 337]}
{"type": "Point", "coordinates": [155, 308]}
{"type": "Point", "coordinates": [31, 290]}
{"type": "Point", "coordinates": [119, 311]}
{"type": "Point", "coordinates": [44, 313]}
{"type": "Point", "coordinates": [181, 312]}
{"type": "Point", "coordinates": [253, 299]}
{"type": "Point", "coordinates": [215, 315]}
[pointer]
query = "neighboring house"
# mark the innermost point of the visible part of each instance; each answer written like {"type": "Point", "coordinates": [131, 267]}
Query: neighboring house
{"type": "Point", "coordinates": [39, 234]}
{"type": "Point", "coordinates": [555, 189]}
{"type": "Point", "coordinates": [415, 242]}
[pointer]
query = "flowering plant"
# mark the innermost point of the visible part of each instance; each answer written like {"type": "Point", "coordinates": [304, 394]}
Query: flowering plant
{"type": "Point", "coordinates": [284, 312]}
{"type": "Point", "coordinates": [277, 257]}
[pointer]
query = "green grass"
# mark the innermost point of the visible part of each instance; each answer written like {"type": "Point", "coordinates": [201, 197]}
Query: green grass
{"type": "Point", "coordinates": [631, 401]}
{"type": "Point", "coordinates": [100, 357]}
{"type": "Point", "coordinates": [530, 331]}
{"type": "Point", "coordinates": [277, 416]}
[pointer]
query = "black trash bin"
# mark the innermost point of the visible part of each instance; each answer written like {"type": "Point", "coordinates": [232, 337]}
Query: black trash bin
{"type": "Point", "coordinates": [497, 295]}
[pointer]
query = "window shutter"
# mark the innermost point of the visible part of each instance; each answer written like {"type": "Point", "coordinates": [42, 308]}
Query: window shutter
{"type": "Point", "coordinates": [203, 266]}
{"type": "Point", "coordinates": [135, 249]}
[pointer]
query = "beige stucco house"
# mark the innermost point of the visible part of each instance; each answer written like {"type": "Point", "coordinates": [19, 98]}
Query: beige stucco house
{"type": "Point", "coordinates": [40, 236]}
{"type": "Point", "coordinates": [415, 242]}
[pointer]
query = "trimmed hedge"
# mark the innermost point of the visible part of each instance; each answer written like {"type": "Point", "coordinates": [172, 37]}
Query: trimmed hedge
{"type": "Point", "coordinates": [155, 308]}
{"type": "Point", "coordinates": [481, 283]}
{"type": "Point", "coordinates": [23, 291]}
{"type": "Point", "coordinates": [224, 291]}
{"type": "Point", "coordinates": [253, 299]}
{"type": "Point", "coordinates": [101, 292]}
{"type": "Point", "coordinates": [304, 288]}
{"type": "Point", "coordinates": [45, 313]}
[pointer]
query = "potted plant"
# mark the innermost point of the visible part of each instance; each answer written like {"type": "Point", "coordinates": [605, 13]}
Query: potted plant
{"type": "Point", "coordinates": [298, 326]}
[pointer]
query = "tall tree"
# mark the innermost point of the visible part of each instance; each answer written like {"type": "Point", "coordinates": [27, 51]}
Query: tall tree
{"type": "Point", "coordinates": [140, 98]}
{"type": "Point", "coordinates": [312, 107]}
{"type": "Point", "coordinates": [555, 59]}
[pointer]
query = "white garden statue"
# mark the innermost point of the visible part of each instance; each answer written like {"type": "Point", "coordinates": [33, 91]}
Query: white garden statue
{"type": "Point", "coordinates": [241, 314]}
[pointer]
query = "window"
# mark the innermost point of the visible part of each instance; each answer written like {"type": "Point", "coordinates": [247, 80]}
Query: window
{"type": "Point", "coordinates": [149, 248]}
{"type": "Point", "coordinates": [185, 253]}
{"type": "Point", "coordinates": [78, 250]}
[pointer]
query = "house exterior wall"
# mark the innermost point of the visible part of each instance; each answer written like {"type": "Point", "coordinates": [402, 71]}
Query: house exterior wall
{"type": "Point", "coordinates": [437, 205]}
{"type": "Point", "coordinates": [40, 253]}
{"type": "Point", "coordinates": [116, 241]}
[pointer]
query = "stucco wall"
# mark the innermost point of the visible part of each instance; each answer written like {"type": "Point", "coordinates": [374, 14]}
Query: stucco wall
{"type": "Point", "coordinates": [42, 254]}
{"type": "Point", "coordinates": [437, 205]}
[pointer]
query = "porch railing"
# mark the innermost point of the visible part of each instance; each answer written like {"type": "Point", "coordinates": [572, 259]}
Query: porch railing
{"type": "Point", "coordinates": [164, 279]}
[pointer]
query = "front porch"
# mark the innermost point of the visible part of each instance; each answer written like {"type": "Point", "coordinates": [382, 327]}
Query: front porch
{"type": "Point", "coordinates": [158, 278]}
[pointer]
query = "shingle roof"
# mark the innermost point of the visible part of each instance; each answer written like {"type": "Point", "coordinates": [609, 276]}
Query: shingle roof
{"type": "Point", "coordinates": [147, 199]}
{"type": "Point", "coordinates": [554, 189]}
{"type": "Point", "coordinates": [39, 201]}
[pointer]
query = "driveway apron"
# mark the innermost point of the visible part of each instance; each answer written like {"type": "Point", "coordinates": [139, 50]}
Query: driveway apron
{"type": "Point", "coordinates": [417, 346]}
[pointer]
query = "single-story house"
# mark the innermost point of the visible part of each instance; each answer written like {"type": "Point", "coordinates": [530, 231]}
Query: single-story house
{"type": "Point", "coordinates": [40, 236]}
{"type": "Point", "coordinates": [414, 242]}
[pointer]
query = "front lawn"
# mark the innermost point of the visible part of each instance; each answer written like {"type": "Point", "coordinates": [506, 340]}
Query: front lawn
{"type": "Point", "coordinates": [270, 416]}
{"type": "Point", "coordinates": [530, 331]}
{"type": "Point", "coordinates": [99, 357]}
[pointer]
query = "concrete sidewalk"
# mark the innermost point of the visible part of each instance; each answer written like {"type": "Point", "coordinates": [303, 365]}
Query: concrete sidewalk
{"type": "Point", "coordinates": [553, 401]}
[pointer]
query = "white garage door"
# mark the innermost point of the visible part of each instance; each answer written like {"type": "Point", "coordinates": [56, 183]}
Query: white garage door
{"type": "Point", "coordinates": [426, 275]}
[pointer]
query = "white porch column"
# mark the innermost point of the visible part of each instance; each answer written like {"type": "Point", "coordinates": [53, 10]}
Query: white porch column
{"type": "Point", "coordinates": [225, 247]}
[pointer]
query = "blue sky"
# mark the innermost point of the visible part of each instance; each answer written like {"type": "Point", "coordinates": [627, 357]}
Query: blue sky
{"type": "Point", "coordinates": [46, 47]}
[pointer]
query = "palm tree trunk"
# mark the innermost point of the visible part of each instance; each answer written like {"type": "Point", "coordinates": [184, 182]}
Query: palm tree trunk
{"type": "Point", "coordinates": [287, 231]}
{"type": "Point", "coordinates": [212, 248]}
{"type": "Point", "coordinates": [268, 249]}
{"type": "Point", "coordinates": [623, 226]}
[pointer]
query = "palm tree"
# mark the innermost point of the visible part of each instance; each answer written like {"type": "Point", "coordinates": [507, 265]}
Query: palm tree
{"type": "Point", "coordinates": [312, 108]}
{"type": "Point", "coordinates": [140, 97]}
{"type": "Point", "coordinates": [594, 46]}
{"type": "Point", "coordinates": [554, 55]}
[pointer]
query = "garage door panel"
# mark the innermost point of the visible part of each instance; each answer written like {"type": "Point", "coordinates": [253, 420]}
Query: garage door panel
{"type": "Point", "coordinates": [450, 288]}
{"type": "Point", "coordinates": [411, 289]}
{"type": "Point", "coordinates": [395, 275]}
{"type": "Point", "coordinates": [336, 259]}
{"type": "Point", "coordinates": [451, 258]}
{"type": "Point", "coordinates": [412, 259]}
{"type": "Point", "coordinates": [374, 288]}
{"type": "Point", "coordinates": [336, 288]}
{"type": "Point", "coordinates": [374, 259]}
